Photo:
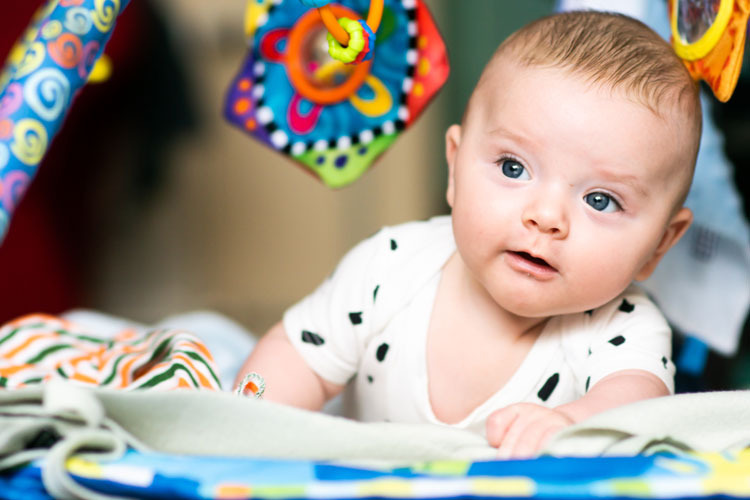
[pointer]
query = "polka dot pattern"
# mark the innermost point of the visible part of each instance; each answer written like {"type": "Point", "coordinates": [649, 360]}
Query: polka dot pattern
{"type": "Point", "coordinates": [546, 391]}
{"type": "Point", "coordinates": [626, 306]}
{"type": "Point", "coordinates": [312, 338]}
{"type": "Point", "coordinates": [619, 340]}
{"type": "Point", "coordinates": [355, 318]}
{"type": "Point", "coordinates": [381, 352]}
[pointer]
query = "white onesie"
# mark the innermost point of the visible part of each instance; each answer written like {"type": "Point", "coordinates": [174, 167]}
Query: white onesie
{"type": "Point", "coordinates": [368, 322]}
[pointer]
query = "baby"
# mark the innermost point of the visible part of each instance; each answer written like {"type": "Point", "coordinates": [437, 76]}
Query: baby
{"type": "Point", "coordinates": [516, 316]}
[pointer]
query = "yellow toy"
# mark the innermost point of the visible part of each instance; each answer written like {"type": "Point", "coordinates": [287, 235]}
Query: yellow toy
{"type": "Point", "coordinates": [709, 35]}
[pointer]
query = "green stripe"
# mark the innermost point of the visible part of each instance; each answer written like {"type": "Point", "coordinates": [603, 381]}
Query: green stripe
{"type": "Point", "coordinates": [153, 336]}
{"type": "Point", "coordinates": [142, 338]}
{"type": "Point", "coordinates": [113, 373]}
{"type": "Point", "coordinates": [3, 381]}
{"type": "Point", "coordinates": [167, 375]}
{"type": "Point", "coordinates": [34, 380]}
{"type": "Point", "coordinates": [18, 329]}
{"type": "Point", "coordinates": [87, 338]}
{"type": "Point", "coordinates": [49, 350]}
{"type": "Point", "coordinates": [200, 358]}
{"type": "Point", "coordinates": [160, 351]}
{"type": "Point", "coordinates": [61, 372]}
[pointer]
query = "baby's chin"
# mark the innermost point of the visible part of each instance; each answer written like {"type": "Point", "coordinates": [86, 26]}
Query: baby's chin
{"type": "Point", "coordinates": [541, 309]}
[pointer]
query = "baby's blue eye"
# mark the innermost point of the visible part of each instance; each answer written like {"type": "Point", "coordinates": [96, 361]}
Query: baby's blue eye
{"type": "Point", "coordinates": [602, 202]}
{"type": "Point", "coordinates": [514, 170]}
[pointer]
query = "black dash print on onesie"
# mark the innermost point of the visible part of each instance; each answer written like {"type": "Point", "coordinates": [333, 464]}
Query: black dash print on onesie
{"type": "Point", "coordinates": [370, 379]}
{"type": "Point", "coordinates": [664, 361]}
{"type": "Point", "coordinates": [375, 292]}
{"type": "Point", "coordinates": [393, 245]}
{"type": "Point", "coordinates": [355, 318]}
{"type": "Point", "coordinates": [381, 352]}
{"type": "Point", "coordinates": [549, 386]}
{"type": "Point", "coordinates": [626, 306]}
{"type": "Point", "coordinates": [588, 381]}
{"type": "Point", "coordinates": [312, 338]}
{"type": "Point", "coordinates": [619, 340]}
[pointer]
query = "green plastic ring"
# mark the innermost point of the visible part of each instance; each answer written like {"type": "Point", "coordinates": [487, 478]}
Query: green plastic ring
{"type": "Point", "coordinates": [356, 41]}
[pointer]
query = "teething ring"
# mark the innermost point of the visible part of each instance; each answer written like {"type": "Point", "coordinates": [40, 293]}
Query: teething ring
{"type": "Point", "coordinates": [328, 16]}
{"type": "Point", "coordinates": [297, 74]}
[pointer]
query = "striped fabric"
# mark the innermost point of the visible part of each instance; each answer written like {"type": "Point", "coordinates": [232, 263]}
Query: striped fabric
{"type": "Point", "coordinates": [37, 348]}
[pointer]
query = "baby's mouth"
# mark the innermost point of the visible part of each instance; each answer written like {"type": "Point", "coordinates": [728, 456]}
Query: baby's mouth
{"type": "Point", "coordinates": [536, 260]}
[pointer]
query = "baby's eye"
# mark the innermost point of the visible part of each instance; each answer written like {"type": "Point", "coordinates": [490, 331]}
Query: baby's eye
{"type": "Point", "coordinates": [602, 202]}
{"type": "Point", "coordinates": [513, 169]}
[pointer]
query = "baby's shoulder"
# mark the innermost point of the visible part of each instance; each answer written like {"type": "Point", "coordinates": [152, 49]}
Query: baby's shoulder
{"type": "Point", "coordinates": [413, 242]}
{"type": "Point", "coordinates": [419, 233]}
{"type": "Point", "coordinates": [631, 311]}
{"type": "Point", "coordinates": [632, 304]}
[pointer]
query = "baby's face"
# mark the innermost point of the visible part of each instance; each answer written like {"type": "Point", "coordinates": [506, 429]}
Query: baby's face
{"type": "Point", "coordinates": [561, 191]}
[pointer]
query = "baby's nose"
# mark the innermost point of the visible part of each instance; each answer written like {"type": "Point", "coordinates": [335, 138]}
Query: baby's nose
{"type": "Point", "coordinates": [548, 215]}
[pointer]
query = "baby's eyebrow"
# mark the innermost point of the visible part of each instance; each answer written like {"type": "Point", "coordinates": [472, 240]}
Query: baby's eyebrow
{"type": "Point", "coordinates": [630, 180]}
{"type": "Point", "coordinates": [513, 135]}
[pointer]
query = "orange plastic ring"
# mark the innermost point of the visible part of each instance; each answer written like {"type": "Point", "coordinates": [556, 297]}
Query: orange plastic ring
{"type": "Point", "coordinates": [297, 74]}
{"type": "Point", "coordinates": [374, 16]}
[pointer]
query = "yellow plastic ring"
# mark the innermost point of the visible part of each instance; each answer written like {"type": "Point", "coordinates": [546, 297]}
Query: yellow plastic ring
{"type": "Point", "coordinates": [702, 46]}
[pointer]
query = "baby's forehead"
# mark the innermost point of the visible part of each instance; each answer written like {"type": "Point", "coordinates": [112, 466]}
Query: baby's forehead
{"type": "Point", "coordinates": [495, 105]}
{"type": "Point", "coordinates": [676, 106]}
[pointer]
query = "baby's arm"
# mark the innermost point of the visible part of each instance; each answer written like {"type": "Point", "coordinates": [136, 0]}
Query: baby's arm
{"type": "Point", "coordinates": [288, 378]}
{"type": "Point", "coordinates": [520, 430]}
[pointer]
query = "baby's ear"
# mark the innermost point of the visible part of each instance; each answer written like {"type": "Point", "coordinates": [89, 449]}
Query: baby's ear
{"type": "Point", "coordinates": [677, 226]}
{"type": "Point", "coordinates": [452, 141]}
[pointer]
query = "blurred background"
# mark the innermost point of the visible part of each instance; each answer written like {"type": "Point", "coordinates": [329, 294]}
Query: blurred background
{"type": "Point", "coordinates": [149, 203]}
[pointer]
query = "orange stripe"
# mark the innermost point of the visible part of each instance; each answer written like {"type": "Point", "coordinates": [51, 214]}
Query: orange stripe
{"type": "Point", "coordinates": [197, 345]}
{"type": "Point", "coordinates": [125, 378]}
{"type": "Point", "coordinates": [126, 335]}
{"type": "Point", "coordinates": [36, 316]}
{"type": "Point", "coordinates": [27, 343]}
{"type": "Point", "coordinates": [83, 378]}
{"type": "Point", "coordinates": [12, 370]}
{"type": "Point", "coordinates": [203, 380]}
{"type": "Point", "coordinates": [83, 357]}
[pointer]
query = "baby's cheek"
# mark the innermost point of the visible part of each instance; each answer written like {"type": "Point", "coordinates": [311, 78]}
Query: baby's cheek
{"type": "Point", "coordinates": [599, 280]}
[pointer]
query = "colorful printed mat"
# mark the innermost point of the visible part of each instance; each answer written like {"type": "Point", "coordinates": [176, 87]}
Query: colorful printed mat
{"type": "Point", "coordinates": [139, 475]}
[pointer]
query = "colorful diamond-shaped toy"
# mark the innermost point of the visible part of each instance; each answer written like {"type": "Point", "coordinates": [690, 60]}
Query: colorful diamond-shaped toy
{"type": "Point", "coordinates": [334, 119]}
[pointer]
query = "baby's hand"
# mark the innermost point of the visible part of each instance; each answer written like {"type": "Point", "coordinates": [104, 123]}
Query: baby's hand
{"type": "Point", "coordinates": [521, 429]}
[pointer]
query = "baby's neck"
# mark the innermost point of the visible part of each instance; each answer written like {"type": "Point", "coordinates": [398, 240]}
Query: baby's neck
{"type": "Point", "coordinates": [473, 346]}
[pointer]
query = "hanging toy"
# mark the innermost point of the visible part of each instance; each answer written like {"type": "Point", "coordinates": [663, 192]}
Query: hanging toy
{"type": "Point", "coordinates": [709, 35]}
{"type": "Point", "coordinates": [332, 90]}
{"type": "Point", "coordinates": [51, 62]}
{"type": "Point", "coordinates": [349, 40]}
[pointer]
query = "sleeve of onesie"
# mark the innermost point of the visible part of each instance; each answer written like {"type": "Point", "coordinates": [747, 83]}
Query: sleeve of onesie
{"type": "Point", "coordinates": [329, 327]}
{"type": "Point", "coordinates": [628, 333]}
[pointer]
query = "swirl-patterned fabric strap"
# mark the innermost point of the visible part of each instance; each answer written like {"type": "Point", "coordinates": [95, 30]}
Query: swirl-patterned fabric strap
{"type": "Point", "coordinates": [45, 69]}
{"type": "Point", "coordinates": [37, 348]}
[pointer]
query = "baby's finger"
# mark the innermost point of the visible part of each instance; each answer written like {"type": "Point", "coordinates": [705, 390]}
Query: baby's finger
{"type": "Point", "coordinates": [533, 438]}
{"type": "Point", "coordinates": [498, 424]}
{"type": "Point", "coordinates": [507, 448]}
{"type": "Point", "coordinates": [545, 438]}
